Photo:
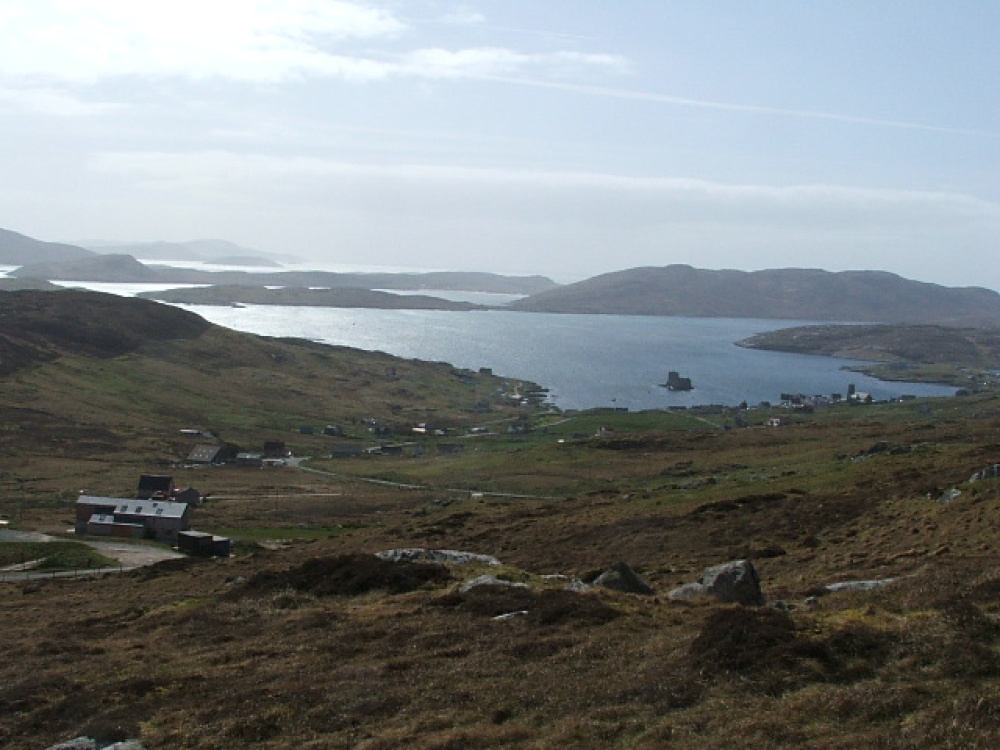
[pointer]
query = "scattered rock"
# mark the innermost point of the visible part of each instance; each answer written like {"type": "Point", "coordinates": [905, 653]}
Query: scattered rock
{"type": "Point", "coordinates": [78, 743]}
{"type": "Point", "coordinates": [949, 496]}
{"type": "Point", "coordinates": [735, 581]}
{"type": "Point", "coordinates": [510, 615]}
{"type": "Point", "coordinates": [440, 556]}
{"type": "Point", "coordinates": [88, 743]}
{"type": "Point", "coordinates": [489, 580]}
{"type": "Point", "coordinates": [859, 585]}
{"type": "Point", "coordinates": [620, 577]}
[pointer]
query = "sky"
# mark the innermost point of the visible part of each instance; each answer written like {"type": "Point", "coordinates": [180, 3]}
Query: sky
{"type": "Point", "coordinates": [565, 137]}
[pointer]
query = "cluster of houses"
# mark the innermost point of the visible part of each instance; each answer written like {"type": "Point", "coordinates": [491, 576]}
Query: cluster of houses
{"type": "Point", "coordinates": [275, 453]}
{"type": "Point", "coordinates": [159, 511]}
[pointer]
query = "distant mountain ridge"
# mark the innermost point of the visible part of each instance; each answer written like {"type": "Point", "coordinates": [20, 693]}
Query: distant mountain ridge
{"type": "Point", "coordinates": [208, 251]}
{"type": "Point", "coordinates": [18, 249]}
{"type": "Point", "coordinates": [793, 294]}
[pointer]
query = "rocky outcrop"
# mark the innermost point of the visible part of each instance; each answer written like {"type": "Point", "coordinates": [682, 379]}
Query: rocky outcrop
{"type": "Point", "coordinates": [620, 577]}
{"type": "Point", "coordinates": [441, 556]}
{"type": "Point", "coordinates": [735, 581]}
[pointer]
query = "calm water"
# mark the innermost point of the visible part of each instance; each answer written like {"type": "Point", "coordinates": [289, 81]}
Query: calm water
{"type": "Point", "coordinates": [585, 360]}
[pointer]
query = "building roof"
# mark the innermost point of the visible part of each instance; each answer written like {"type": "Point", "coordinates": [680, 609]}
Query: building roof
{"type": "Point", "coordinates": [156, 482]}
{"type": "Point", "coordinates": [204, 454]}
{"type": "Point", "coordinates": [151, 508]}
{"type": "Point", "coordinates": [131, 507]}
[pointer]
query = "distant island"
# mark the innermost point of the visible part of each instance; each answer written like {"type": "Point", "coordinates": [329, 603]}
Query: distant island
{"type": "Point", "coordinates": [305, 297]}
{"type": "Point", "coordinates": [125, 269]}
{"type": "Point", "coordinates": [788, 294]}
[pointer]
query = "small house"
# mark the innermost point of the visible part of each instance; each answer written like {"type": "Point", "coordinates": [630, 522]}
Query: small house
{"type": "Point", "coordinates": [214, 453]}
{"type": "Point", "coordinates": [251, 460]}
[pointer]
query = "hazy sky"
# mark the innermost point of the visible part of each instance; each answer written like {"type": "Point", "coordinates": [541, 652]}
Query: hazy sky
{"type": "Point", "coordinates": [565, 137]}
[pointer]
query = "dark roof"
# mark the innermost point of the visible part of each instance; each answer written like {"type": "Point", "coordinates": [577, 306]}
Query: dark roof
{"type": "Point", "coordinates": [156, 483]}
{"type": "Point", "coordinates": [204, 454]}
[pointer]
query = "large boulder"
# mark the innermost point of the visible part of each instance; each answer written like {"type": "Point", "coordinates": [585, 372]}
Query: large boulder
{"type": "Point", "coordinates": [736, 581]}
{"type": "Point", "coordinates": [620, 577]}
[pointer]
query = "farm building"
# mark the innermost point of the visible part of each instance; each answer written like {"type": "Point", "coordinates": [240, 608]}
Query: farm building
{"type": "Point", "coordinates": [149, 519]}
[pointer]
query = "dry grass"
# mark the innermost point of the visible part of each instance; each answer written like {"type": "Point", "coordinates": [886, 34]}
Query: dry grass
{"type": "Point", "coordinates": [304, 639]}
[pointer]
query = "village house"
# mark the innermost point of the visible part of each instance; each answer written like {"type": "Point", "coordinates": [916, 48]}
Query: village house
{"type": "Point", "coordinates": [212, 454]}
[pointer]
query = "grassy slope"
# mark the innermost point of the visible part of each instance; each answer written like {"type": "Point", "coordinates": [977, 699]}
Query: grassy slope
{"type": "Point", "coordinates": [252, 651]}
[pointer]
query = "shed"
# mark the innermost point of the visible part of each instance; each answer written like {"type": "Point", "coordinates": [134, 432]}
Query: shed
{"type": "Point", "coordinates": [204, 544]}
{"type": "Point", "coordinates": [154, 485]}
{"type": "Point", "coordinates": [346, 450]}
{"type": "Point", "coordinates": [276, 449]}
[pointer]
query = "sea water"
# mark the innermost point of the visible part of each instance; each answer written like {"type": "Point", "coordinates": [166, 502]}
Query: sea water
{"type": "Point", "coordinates": [585, 361]}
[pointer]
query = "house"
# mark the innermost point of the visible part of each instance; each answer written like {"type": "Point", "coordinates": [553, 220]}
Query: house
{"type": "Point", "coordinates": [253, 460]}
{"type": "Point", "coordinates": [154, 485]}
{"type": "Point", "coordinates": [333, 430]}
{"type": "Point", "coordinates": [201, 543]}
{"type": "Point", "coordinates": [215, 453]}
{"type": "Point", "coordinates": [148, 519]}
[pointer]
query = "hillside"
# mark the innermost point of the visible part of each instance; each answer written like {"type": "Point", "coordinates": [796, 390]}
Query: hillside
{"type": "Point", "coordinates": [18, 249]}
{"type": "Point", "coordinates": [797, 294]}
{"type": "Point", "coordinates": [912, 344]}
{"type": "Point", "coordinates": [82, 370]}
{"type": "Point", "coordinates": [871, 529]}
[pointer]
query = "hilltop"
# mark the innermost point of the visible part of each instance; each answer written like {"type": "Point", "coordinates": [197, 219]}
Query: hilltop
{"type": "Point", "coordinates": [19, 249]}
{"type": "Point", "coordinates": [796, 294]}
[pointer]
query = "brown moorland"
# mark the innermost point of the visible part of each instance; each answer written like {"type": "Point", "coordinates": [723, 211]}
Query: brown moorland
{"type": "Point", "coordinates": [304, 638]}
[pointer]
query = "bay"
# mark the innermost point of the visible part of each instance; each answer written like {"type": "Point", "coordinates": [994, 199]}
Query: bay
{"type": "Point", "coordinates": [586, 361]}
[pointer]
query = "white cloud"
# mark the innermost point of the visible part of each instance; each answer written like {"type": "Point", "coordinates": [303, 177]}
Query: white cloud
{"type": "Point", "coordinates": [51, 101]}
{"type": "Point", "coordinates": [241, 39]}
{"type": "Point", "coordinates": [464, 16]}
{"type": "Point", "coordinates": [497, 62]}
